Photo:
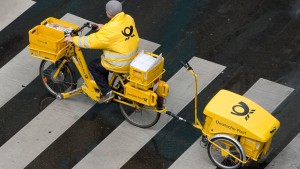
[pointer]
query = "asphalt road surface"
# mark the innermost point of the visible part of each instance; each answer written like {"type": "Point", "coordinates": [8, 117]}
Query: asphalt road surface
{"type": "Point", "coordinates": [248, 47]}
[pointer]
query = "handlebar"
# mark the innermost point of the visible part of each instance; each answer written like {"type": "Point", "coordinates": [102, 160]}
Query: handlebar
{"type": "Point", "coordinates": [70, 32]}
{"type": "Point", "coordinates": [186, 65]}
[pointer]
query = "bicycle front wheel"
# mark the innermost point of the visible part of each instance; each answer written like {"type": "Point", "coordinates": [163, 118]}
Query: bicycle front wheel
{"type": "Point", "coordinates": [220, 157]}
{"type": "Point", "coordinates": [143, 117]}
{"type": "Point", "coordinates": [65, 80]}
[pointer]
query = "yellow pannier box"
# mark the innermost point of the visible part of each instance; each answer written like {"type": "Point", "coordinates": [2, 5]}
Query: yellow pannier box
{"type": "Point", "coordinates": [46, 41]}
{"type": "Point", "coordinates": [146, 97]}
{"type": "Point", "coordinates": [146, 70]}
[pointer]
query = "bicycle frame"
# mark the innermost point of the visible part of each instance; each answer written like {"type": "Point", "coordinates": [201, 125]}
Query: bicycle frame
{"type": "Point", "coordinates": [89, 87]}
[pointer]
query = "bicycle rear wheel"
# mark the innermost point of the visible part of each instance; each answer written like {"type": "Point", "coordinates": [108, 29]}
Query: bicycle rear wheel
{"type": "Point", "coordinates": [64, 82]}
{"type": "Point", "coordinates": [137, 117]}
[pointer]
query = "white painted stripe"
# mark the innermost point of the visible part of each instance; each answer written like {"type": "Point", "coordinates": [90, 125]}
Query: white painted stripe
{"type": "Point", "coordinates": [22, 69]}
{"type": "Point", "coordinates": [193, 157]}
{"type": "Point", "coordinates": [45, 128]}
{"type": "Point", "coordinates": [116, 149]}
{"type": "Point", "coordinates": [265, 93]}
{"type": "Point", "coordinates": [11, 9]}
{"type": "Point", "coordinates": [18, 72]}
{"type": "Point", "coordinates": [288, 157]}
{"type": "Point", "coordinates": [147, 45]}
{"type": "Point", "coordinates": [268, 94]}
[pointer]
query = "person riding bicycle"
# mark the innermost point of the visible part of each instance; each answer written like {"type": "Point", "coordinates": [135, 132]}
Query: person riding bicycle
{"type": "Point", "coordinates": [119, 41]}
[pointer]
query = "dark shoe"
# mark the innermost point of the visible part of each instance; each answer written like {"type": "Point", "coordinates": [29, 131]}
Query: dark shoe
{"type": "Point", "coordinates": [109, 95]}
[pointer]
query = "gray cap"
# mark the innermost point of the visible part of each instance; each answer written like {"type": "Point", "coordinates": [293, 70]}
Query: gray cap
{"type": "Point", "coordinates": [113, 7]}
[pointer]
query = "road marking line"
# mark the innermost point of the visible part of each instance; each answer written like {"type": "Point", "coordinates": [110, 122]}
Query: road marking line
{"type": "Point", "coordinates": [14, 77]}
{"type": "Point", "coordinates": [11, 9]}
{"type": "Point", "coordinates": [13, 71]}
{"type": "Point", "coordinates": [265, 93]}
{"type": "Point", "coordinates": [127, 139]}
{"type": "Point", "coordinates": [268, 94]}
{"type": "Point", "coordinates": [46, 127]}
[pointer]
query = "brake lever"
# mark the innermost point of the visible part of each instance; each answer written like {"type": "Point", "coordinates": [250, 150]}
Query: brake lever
{"type": "Point", "coordinates": [68, 32]}
{"type": "Point", "coordinates": [88, 24]}
{"type": "Point", "coordinates": [91, 26]}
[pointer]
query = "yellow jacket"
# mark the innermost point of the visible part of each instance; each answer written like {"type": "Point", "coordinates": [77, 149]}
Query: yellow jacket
{"type": "Point", "coordinates": [118, 39]}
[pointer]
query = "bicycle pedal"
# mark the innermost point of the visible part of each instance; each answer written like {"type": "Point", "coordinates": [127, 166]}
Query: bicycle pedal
{"type": "Point", "coordinates": [59, 96]}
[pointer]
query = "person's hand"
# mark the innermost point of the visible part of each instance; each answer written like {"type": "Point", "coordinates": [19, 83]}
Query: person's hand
{"type": "Point", "coordinates": [94, 26]}
{"type": "Point", "coordinates": [97, 26]}
{"type": "Point", "coordinates": [68, 39]}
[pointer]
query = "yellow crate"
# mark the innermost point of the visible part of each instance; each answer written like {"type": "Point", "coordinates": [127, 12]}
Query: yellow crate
{"type": "Point", "coordinates": [146, 97]}
{"type": "Point", "coordinates": [47, 42]}
{"type": "Point", "coordinates": [145, 80]}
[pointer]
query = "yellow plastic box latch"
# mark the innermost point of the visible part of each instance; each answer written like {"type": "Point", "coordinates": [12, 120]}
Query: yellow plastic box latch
{"type": "Point", "coordinates": [162, 89]}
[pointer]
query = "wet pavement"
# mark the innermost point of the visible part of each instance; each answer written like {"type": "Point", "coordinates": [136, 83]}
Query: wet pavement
{"type": "Point", "coordinates": [253, 39]}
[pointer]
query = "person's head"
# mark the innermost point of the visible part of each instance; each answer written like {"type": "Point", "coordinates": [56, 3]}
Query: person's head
{"type": "Point", "coordinates": [113, 7]}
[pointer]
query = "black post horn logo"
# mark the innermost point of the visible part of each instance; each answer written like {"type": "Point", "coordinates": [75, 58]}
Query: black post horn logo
{"type": "Point", "coordinates": [128, 32]}
{"type": "Point", "coordinates": [245, 111]}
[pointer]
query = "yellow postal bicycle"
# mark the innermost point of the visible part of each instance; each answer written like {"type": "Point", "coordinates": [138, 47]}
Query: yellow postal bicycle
{"type": "Point", "coordinates": [140, 94]}
{"type": "Point", "coordinates": [235, 129]}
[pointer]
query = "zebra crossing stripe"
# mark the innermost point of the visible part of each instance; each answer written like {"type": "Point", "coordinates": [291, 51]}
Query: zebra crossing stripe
{"type": "Point", "coordinates": [126, 140]}
{"type": "Point", "coordinates": [10, 10]}
{"type": "Point", "coordinates": [266, 93]}
{"type": "Point", "coordinates": [15, 153]}
{"type": "Point", "coordinates": [45, 128]}
{"type": "Point", "coordinates": [12, 74]}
